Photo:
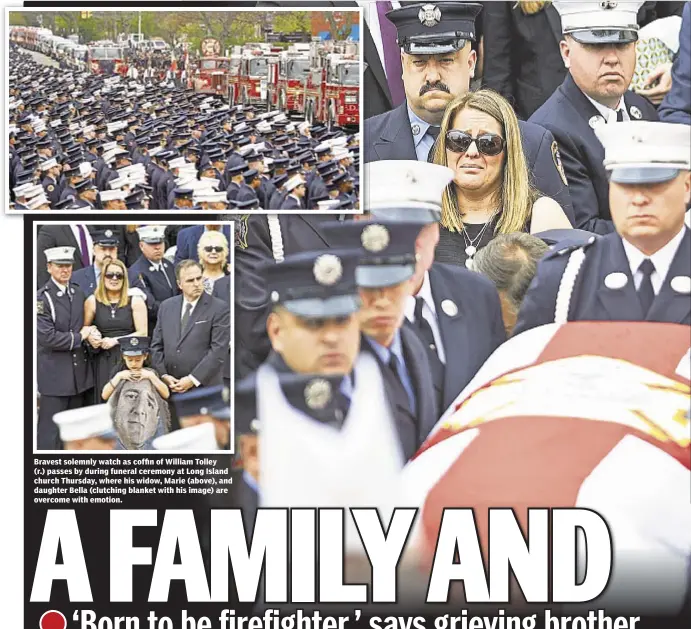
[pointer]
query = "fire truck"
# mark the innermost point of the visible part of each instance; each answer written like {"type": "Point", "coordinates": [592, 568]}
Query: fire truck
{"type": "Point", "coordinates": [331, 91]}
{"type": "Point", "coordinates": [101, 54]}
{"type": "Point", "coordinates": [254, 72]}
{"type": "Point", "coordinates": [212, 76]}
{"type": "Point", "coordinates": [287, 74]}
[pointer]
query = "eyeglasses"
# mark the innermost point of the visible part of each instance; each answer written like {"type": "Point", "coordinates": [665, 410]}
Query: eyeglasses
{"type": "Point", "coordinates": [211, 249]}
{"type": "Point", "coordinates": [489, 144]}
{"type": "Point", "coordinates": [115, 276]}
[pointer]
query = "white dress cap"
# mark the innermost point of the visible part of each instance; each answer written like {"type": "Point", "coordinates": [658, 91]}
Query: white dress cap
{"type": "Point", "coordinates": [82, 423]}
{"type": "Point", "coordinates": [199, 438]}
{"type": "Point", "coordinates": [60, 255]}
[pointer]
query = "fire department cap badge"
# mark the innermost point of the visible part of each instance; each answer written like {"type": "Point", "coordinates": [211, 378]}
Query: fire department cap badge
{"type": "Point", "coordinates": [327, 269]}
{"type": "Point", "coordinates": [317, 394]}
{"type": "Point", "coordinates": [375, 238]}
{"type": "Point", "coordinates": [429, 15]}
{"type": "Point", "coordinates": [108, 233]}
{"type": "Point", "coordinates": [134, 342]}
{"type": "Point", "coordinates": [608, 4]}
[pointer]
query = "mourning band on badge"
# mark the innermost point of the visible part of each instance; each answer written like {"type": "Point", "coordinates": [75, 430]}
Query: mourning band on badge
{"type": "Point", "coordinates": [556, 157]}
{"type": "Point", "coordinates": [241, 230]}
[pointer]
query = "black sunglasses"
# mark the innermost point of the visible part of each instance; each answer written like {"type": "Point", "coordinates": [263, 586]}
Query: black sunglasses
{"type": "Point", "coordinates": [114, 276]}
{"type": "Point", "coordinates": [216, 249]}
{"type": "Point", "coordinates": [489, 144]}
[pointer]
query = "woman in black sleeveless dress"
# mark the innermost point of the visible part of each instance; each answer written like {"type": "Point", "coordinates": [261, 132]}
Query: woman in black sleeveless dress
{"type": "Point", "coordinates": [491, 193]}
{"type": "Point", "coordinates": [115, 314]}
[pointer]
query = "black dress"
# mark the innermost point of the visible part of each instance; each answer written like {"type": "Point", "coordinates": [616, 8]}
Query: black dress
{"type": "Point", "coordinates": [111, 322]}
{"type": "Point", "coordinates": [452, 245]}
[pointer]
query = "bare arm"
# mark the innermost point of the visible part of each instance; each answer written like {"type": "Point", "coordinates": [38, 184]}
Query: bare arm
{"type": "Point", "coordinates": [548, 214]}
{"type": "Point", "coordinates": [89, 310]}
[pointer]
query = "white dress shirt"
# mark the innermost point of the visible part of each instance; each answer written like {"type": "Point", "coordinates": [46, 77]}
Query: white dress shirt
{"type": "Point", "coordinates": [370, 15]}
{"type": "Point", "coordinates": [429, 312]}
{"type": "Point", "coordinates": [661, 260]}
{"type": "Point", "coordinates": [89, 241]}
{"type": "Point", "coordinates": [184, 305]}
{"type": "Point", "coordinates": [610, 115]}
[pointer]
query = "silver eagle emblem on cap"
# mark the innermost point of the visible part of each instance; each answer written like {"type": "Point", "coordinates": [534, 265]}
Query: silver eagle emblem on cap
{"type": "Point", "coordinates": [429, 15]}
{"type": "Point", "coordinates": [318, 394]}
{"type": "Point", "coordinates": [328, 269]}
{"type": "Point", "coordinates": [375, 238]}
{"type": "Point", "coordinates": [134, 342]}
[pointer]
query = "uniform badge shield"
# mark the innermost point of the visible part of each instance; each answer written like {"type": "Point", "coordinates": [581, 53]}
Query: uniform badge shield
{"type": "Point", "coordinates": [317, 394]}
{"type": "Point", "coordinates": [635, 112]}
{"type": "Point", "coordinates": [429, 15]}
{"type": "Point", "coordinates": [327, 269]}
{"type": "Point", "coordinates": [241, 231]}
{"type": "Point", "coordinates": [557, 162]}
{"type": "Point", "coordinates": [375, 238]}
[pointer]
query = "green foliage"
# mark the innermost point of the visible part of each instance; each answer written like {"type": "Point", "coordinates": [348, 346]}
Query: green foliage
{"type": "Point", "coordinates": [290, 22]}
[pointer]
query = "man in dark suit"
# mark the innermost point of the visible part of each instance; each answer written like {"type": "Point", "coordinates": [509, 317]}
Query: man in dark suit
{"type": "Point", "coordinates": [641, 272]}
{"type": "Point", "coordinates": [677, 104]}
{"type": "Point", "coordinates": [152, 273]}
{"type": "Point", "coordinates": [601, 64]}
{"type": "Point", "coordinates": [438, 63]}
{"type": "Point", "coordinates": [222, 291]}
{"type": "Point", "coordinates": [65, 378]}
{"type": "Point", "coordinates": [188, 239]}
{"type": "Point", "coordinates": [387, 264]}
{"type": "Point", "coordinates": [105, 247]}
{"type": "Point", "coordinates": [190, 341]}
{"type": "Point", "coordinates": [50, 236]}
{"type": "Point", "coordinates": [522, 59]}
{"type": "Point", "coordinates": [457, 313]}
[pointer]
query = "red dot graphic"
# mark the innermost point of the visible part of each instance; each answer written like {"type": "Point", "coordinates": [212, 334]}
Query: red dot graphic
{"type": "Point", "coordinates": [53, 620]}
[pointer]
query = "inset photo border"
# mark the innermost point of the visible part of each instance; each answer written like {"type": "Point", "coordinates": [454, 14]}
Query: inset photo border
{"type": "Point", "coordinates": [76, 364]}
{"type": "Point", "coordinates": [143, 111]}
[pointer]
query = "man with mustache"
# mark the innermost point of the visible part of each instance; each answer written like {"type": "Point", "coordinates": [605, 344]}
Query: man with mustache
{"type": "Point", "coordinates": [438, 63]}
{"type": "Point", "coordinates": [599, 50]}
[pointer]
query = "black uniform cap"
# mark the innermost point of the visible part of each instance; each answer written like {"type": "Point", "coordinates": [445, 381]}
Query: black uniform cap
{"type": "Point", "coordinates": [435, 28]}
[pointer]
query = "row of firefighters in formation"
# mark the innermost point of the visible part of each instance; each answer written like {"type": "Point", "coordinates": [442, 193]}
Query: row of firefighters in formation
{"type": "Point", "coordinates": [318, 80]}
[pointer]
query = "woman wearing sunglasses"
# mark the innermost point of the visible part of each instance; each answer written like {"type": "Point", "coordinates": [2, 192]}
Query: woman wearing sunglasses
{"type": "Point", "coordinates": [213, 256]}
{"type": "Point", "coordinates": [491, 192]}
{"type": "Point", "coordinates": [116, 314]}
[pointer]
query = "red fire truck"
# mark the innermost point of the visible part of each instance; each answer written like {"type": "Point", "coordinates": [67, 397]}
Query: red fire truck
{"type": "Point", "coordinates": [332, 87]}
{"type": "Point", "coordinates": [287, 76]}
{"type": "Point", "coordinates": [254, 73]}
{"type": "Point", "coordinates": [102, 54]}
{"type": "Point", "coordinates": [212, 76]}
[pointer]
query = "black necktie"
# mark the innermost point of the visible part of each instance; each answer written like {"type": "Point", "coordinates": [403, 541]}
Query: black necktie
{"type": "Point", "coordinates": [646, 294]}
{"type": "Point", "coordinates": [185, 317]}
{"type": "Point", "coordinates": [620, 115]}
{"type": "Point", "coordinates": [434, 132]}
{"type": "Point", "coordinates": [425, 332]}
{"type": "Point", "coordinates": [162, 270]}
{"type": "Point", "coordinates": [394, 365]}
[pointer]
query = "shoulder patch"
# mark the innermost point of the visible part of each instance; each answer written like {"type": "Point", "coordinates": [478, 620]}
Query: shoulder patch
{"type": "Point", "coordinates": [567, 247]}
{"type": "Point", "coordinates": [50, 188]}
{"type": "Point", "coordinates": [241, 231]}
{"type": "Point", "coordinates": [39, 307]}
{"type": "Point", "coordinates": [557, 162]}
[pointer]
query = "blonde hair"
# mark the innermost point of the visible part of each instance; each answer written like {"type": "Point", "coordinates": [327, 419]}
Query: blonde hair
{"type": "Point", "coordinates": [214, 238]}
{"type": "Point", "coordinates": [516, 194]}
{"type": "Point", "coordinates": [100, 293]}
{"type": "Point", "coordinates": [530, 7]}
